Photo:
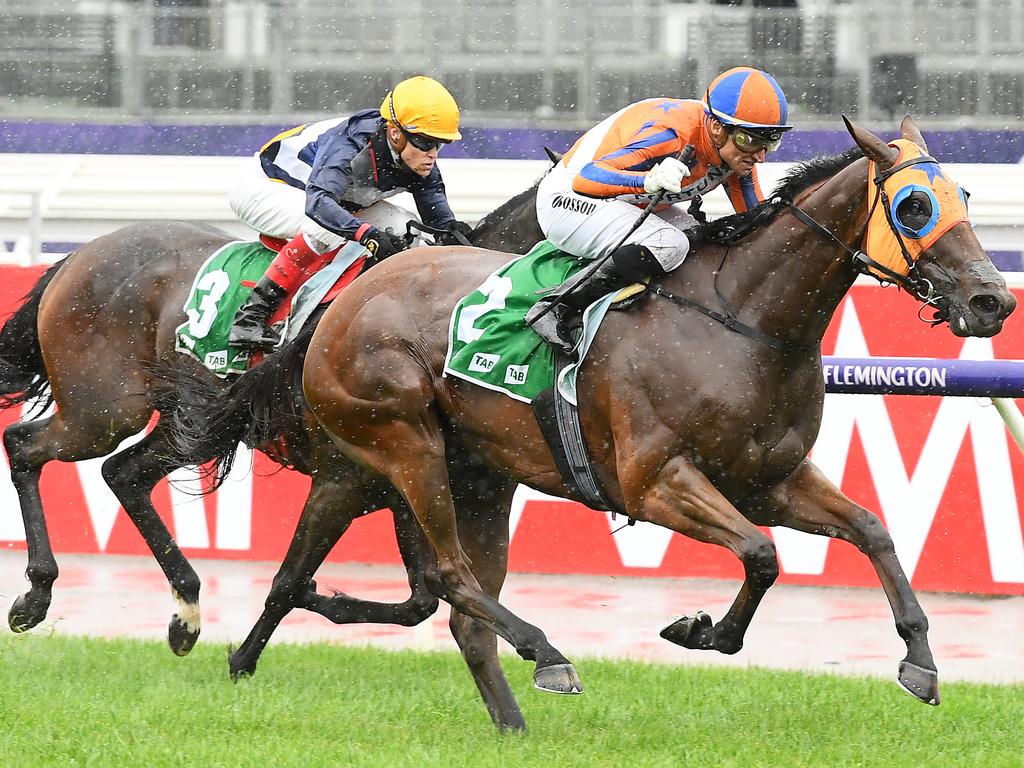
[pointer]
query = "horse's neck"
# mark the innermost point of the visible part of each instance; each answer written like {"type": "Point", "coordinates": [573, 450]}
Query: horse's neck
{"type": "Point", "coordinates": [787, 280]}
{"type": "Point", "coordinates": [511, 227]}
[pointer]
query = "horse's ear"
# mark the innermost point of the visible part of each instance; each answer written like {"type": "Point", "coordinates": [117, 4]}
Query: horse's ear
{"type": "Point", "coordinates": [910, 132]}
{"type": "Point", "coordinates": [876, 149]}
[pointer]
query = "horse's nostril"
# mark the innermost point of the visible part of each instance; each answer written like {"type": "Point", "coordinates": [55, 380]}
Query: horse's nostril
{"type": "Point", "coordinates": [985, 305]}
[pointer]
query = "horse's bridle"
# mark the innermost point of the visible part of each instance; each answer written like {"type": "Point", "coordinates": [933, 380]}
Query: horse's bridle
{"type": "Point", "coordinates": [913, 282]}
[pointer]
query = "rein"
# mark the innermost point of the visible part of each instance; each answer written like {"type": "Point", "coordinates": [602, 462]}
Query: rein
{"type": "Point", "coordinates": [435, 231]}
{"type": "Point", "coordinates": [912, 282]}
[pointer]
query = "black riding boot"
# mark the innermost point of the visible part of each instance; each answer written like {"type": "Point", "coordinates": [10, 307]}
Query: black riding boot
{"type": "Point", "coordinates": [629, 264]}
{"type": "Point", "coordinates": [250, 329]}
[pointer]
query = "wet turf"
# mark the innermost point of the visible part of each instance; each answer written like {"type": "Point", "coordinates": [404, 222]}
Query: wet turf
{"type": "Point", "coordinates": [71, 701]}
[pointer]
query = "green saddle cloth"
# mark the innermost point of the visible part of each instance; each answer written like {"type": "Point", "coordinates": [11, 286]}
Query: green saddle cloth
{"type": "Point", "coordinates": [216, 296]}
{"type": "Point", "coordinates": [489, 342]}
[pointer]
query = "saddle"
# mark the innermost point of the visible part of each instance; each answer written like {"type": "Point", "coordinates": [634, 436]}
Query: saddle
{"type": "Point", "coordinates": [222, 286]}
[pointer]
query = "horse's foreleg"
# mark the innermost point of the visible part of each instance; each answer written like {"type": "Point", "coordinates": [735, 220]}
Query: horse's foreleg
{"type": "Point", "coordinates": [421, 605]}
{"type": "Point", "coordinates": [132, 474]}
{"type": "Point", "coordinates": [808, 501]}
{"type": "Point", "coordinates": [28, 450]}
{"type": "Point", "coordinates": [329, 510]}
{"type": "Point", "coordinates": [684, 500]}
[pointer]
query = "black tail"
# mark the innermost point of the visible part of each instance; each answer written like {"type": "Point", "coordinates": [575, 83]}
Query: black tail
{"type": "Point", "coordinates": [260, 405]}
{"type": "Point", "coordinates": [22, 373]}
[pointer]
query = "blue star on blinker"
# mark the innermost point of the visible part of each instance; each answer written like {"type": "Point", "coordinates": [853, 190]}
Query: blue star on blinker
{"type": "Point", "coordinates": [931, 170]}
{"type": "Point", "coordinates": [666, 106]}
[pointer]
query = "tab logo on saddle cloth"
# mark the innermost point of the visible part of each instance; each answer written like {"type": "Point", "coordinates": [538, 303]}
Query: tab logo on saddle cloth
{"type": "Point", "coordinates": [516, 374]}
{"type": "Point", "coordinates": [483, 362]}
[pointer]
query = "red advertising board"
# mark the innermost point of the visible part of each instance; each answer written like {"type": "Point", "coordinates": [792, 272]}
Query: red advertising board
{"type": "Point", "coordinates": [941, 472]}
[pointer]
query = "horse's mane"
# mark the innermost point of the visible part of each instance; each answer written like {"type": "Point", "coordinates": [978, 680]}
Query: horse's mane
{"type": "Point", "coordinates": [800, 177]}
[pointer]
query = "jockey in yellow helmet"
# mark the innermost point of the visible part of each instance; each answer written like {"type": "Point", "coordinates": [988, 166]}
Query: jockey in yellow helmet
{"type": "Point", "coordinates": [307, 186]}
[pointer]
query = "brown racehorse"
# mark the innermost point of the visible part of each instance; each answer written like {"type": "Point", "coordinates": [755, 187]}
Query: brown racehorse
{"type": "Point", "coordinates": [692, 425]}
{"type": "Point", "coordinates": [88, 336]}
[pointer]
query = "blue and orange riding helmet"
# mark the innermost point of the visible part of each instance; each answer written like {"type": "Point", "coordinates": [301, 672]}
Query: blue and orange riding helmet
{"type": "Point", "coordinates": [748, 98]}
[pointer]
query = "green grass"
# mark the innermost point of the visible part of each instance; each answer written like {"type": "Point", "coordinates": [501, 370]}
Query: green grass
{"type": "Point", "coordinates": [73, 701]}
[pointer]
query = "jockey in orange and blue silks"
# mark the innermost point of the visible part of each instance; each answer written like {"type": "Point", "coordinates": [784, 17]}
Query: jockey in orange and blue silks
{"type": "Point", "coordinates": [308, 185]}
{"type": "Point", "coordinates": [589, 201]}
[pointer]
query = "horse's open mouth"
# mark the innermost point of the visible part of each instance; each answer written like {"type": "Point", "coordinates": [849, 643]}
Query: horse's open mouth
{"type": "Point", "coordinates": [963, 322]}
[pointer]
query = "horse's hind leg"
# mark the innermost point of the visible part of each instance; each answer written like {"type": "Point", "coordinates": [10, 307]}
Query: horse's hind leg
{"type": "Point", "coordinates": [28, 449]}
{"type": "Point", "coordinates": [132, 474]}
{"type": "Point", "coordinates": [421, 605]}
{"type": "Point", "coordinates": [483, 531]}
{"type": "Point", "coordinates": [332, 505]}
{"type": "Point", "coordinates": [64, 436]}
{"type": "Point", "coordinates": [411, 454]}
{"type": "Point", "coordinates": [808, 501]}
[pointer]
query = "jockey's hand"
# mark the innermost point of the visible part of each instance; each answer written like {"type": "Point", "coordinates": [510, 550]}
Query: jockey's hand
{"type": "Point", "coordinates": [667, 175]}
{"type": "Point", "coordinates": [382, 243]}
{"type": "Point", "coordinates": [449, 237]}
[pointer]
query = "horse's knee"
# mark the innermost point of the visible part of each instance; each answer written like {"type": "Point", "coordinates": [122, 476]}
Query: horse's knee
{"type": "Point", "coordinates": [872, 538]}
{"type": "Point", "coordinates": [760, 561]}
{"type": "Point", "coordinates": [286, 591]}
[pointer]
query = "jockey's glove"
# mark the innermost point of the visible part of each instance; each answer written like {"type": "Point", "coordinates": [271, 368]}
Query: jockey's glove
{"type": "Point", "coordinates": [382, 243]}
{"type": "Point", "coordinates": [450, 238]}
{"type": "Point", "coordinates": [667, 175]}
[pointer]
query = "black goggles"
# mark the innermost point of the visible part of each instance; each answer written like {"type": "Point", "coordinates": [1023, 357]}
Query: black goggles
{"type": "Point", "coordinates": [750, 142]}
{"type": "Point", "coordinates": [424, 143]}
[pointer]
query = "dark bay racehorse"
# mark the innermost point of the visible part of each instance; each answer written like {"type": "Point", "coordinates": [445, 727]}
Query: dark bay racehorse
{"type": "Point", "coordinates": [88, 336]}
{"type": "Point", "coordinates": [690, 425]}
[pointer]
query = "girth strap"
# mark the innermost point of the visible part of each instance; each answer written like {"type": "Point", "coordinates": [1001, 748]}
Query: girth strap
{"type": "Point", "coordinates": [559, 422]}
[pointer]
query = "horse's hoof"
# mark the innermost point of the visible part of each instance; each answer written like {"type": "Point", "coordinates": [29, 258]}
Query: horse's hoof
{"type": "Point", "coordinates": [237, 668]}
{"type": "Point", "coordinates": [696, 632]}
{"type": "Point", "coordinates": [557, 678]}
{"type": "Point", "coordinates": [181, 636]}
{"type": "Point", "coordinates": [921, 683]}
{"type": "Point", "coordinates": [26, 613]}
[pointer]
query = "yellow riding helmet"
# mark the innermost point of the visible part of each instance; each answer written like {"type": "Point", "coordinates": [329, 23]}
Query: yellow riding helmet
{"type": "Point", "coordinates": [422, 105]}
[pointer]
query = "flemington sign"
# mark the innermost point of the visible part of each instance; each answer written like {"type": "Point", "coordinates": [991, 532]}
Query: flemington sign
{"type": "Point", "coordinates": [941, 472]}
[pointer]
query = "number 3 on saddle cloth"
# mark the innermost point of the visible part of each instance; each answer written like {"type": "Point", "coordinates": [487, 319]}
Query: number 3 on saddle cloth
{"type": "Point", "coordinates": [223, 284]}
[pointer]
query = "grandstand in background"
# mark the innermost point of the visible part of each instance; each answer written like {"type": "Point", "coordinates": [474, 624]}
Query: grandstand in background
{"type": "Point", "coordinates": [551, 62]}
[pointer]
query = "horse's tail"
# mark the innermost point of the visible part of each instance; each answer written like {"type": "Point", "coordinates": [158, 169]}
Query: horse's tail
{"type": "Point", "coordinates": [22, 373]}
{"type": "Point", "coordinates": [209, 422]}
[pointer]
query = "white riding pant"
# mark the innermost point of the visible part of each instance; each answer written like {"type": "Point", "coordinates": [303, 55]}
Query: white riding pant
{"type": "Point", "coordinates": [277, 209]}
{"type": "Point", "coordinates": [591, 227]}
